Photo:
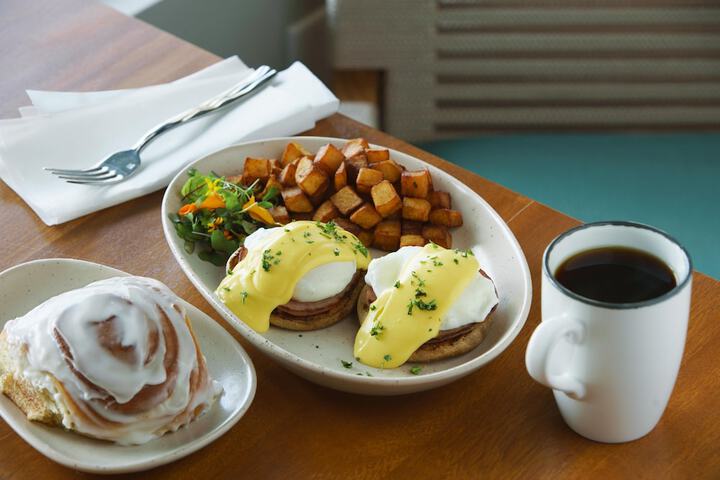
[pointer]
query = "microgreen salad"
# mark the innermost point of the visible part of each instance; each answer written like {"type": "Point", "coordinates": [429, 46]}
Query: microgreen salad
{"type": "Point", "coordinates": [218, 212]}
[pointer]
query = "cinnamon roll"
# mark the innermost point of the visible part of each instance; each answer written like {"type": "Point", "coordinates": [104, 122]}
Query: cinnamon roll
{"type": "Point", "coordinates": [116, 360]}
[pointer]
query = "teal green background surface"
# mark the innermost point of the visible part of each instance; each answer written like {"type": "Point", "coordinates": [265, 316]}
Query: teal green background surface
{"type": "Point", "coordinates": [669, 181]}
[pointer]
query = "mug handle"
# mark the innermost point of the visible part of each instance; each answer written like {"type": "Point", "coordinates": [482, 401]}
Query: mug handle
{"type": "Point", "coordinates": [542, 343]}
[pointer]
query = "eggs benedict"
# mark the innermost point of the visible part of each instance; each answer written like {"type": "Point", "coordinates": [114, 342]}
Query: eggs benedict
{"type": "Point", "coordinates": [301, 276]}
{"type": "Point", "coordinates": [422, 304]}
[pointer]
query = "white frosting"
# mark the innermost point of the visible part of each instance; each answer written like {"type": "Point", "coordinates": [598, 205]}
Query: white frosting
{"type": "Point", "coordinates": [137, 307]}
{"type": "Point", "coordinates": [472, 306]}
{"type": "Point", "coordinates": [319, 283]}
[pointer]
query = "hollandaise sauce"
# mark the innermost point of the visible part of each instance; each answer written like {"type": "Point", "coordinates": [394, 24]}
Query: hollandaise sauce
{"type": "Point", "coordinates": [266, 277]}
{"type": "Point", "coordinates": [409, 314]}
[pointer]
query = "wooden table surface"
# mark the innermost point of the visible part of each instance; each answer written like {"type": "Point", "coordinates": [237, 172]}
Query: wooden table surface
{"type": "Point", "coordinates": [494, 423]}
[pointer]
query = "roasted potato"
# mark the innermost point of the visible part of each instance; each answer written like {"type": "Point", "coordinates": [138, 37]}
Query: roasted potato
{"type": "Point", "coordinates": [255, 169]}
{"type": "Point", "coordinates": [296, 201]}
{"type": "Point", "coordinates": [366, 237]}
{"type": "Point", "coordinates": [439, 199]}
{"type": "Point", "coordinates": [366, 216]}
{"type": "Point", "coordinates": [287, 174]}
{"type": "Point", "coordinates": [346, 200]}
{"type": "Point", "coordinates": [292, 152]}
{"type": "Point", "coordinates": [348, 225]}
{"type": "Point", "coordinates": [354, 164]}
{"type": "Point", "coordinates": [271, 183]}
{"type": "Point", "coordinates": [326, 212]}
{"type": "Point", "coordinates": [437, 234]}
{"type": "Point", "coordinates": [391, 171]}
{"type": "Point", "coordinates": [446, 217]}
{"type": "Point", "coordinates": [280, 214]}
{"type": "Point", "coordinates": [329, 158]}
{"type": "Point", "coordinates": [341, 178]}
{"type": "Point", "coordinates": [410, 227]}
{"type": "Point", "coordinates": [354, 147]}
{"type": "Point", "coordinates": [297, 216]}
{"type": "Point", "coordinates": [417, 184]}
{"type": "Point", "coordinates": [417, 209]}
{"type": "Point", "coordinates": [387, 235]}
{"type": "Point", "coordinates": [310, 178]}
{"type": "Point", "coordinates": [375, 155]}
{"type": "Point", "coordinates": [386, 199]}
{"type": "Point", "coordinates": [412, 241]}
{"type": "Point", "coordinates": [367, 178]}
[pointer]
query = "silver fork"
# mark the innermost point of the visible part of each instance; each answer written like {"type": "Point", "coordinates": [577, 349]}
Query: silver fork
{"type": "Point", "coordinates": [119, 166]}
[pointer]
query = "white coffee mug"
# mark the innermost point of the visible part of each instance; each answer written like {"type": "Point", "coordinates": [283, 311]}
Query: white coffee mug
{"type": "Point", "coordinates": [612, 367]}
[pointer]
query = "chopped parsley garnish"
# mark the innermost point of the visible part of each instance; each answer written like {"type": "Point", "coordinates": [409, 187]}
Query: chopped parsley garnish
{"type": "Point", "coordinates": [387, 357]}
{"type": "Point", "coordinates": [457, 262]}
{"type": "Point", "coordinates": [464, 253]}
{"type": "Point", "coordinates": [330, 230]}
{"type": "Point", "coordinates": [373, 307]}
{"type": "Point", "coordinates": [226, 289]}
{"type": "Point", "coordinates": [415, 370]}
{"type": "Point", "coordinates": [360, 248]}
{"type": "Point", "coordinates": [243, 296]}
{"type": "Point", "coordinates": [267, 260]}
{"type": "Point", "coordinates": [376, 329]}
{"type": "Point", "coordinates": [336, 251]}
{"type": "Point", "coordinates": [346, 364]}
{"type": "Point", "coordinates": [397, 284]}
{"type": "Point", "coordinates": [286, 229]}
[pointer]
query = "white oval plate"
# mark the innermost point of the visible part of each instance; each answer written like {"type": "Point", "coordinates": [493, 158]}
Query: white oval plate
{"type": "Point", "coordinates": [29, 284]}
{"type": "Point", "coordinates": [317, 355]}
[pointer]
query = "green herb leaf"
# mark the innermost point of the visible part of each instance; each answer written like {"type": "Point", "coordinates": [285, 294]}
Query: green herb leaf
{"type": "Point", "coordinates": [222, 244]}
{"type": "Point", "coordinates": [346, 364]}
{"type": "Point", "coordinates": [415, 370]}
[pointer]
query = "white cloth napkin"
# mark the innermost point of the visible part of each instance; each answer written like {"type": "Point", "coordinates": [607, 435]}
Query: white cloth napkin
{"type": "Point", "coordinates": [78, 129]}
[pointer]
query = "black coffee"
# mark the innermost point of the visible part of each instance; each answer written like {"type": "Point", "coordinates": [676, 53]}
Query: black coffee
{"type": "Point", "coordinates": [616, 275]}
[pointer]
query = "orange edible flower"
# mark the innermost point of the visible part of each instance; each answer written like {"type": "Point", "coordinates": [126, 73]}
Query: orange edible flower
{"type": "Point", "coordinates": [257, 212]}
{"type": "Point", "coordinates": [189, 208]}
{"type": "Point", "coordinates": [228, 234]}
{"type": "Point", "coordinates": [213, 201]}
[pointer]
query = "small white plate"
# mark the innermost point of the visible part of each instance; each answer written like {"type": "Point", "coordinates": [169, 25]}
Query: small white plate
{"type": "Point", "coordinates": [29, 284]}
{"type": "Point", "coordinates": [318, 355]}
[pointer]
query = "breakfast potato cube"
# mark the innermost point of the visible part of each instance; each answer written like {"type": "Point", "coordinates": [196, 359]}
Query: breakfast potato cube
{"type": "Point", "coordinates": [236, 179]}
{"type": "Point", "coordinates": [272, 183]}
{"type": "Point", "coordinates": [366, 216]}
{"type": "Point", "coordinates": [375, 155]}
{"type": "Point", "coordinates": [310, 178]}
{"type": "Point", "coordinates": [412, 241]}
{"type": "Point", "coordinates": [346, 200]}
{"type": "Point", "coordinates": [326, 212]}
{"type": "Point", "coordinates": [439, 199]}
{"type": "Point", "coordinates": [292, 152]}
{"type": "Point", "coordinates": [255, 169]}
{"type": "Point", "coordinates": [280, 214]}
{"type": "Point", "coordinates": [287, 174]}
{"type": "Point", "coordinates": [387, 235]}
{"type": "Point", "coordinates": [354, 147]}
{"type": "Point", "coordinates": [341, 177]}
{"type": "Point", "coordinates": [416, 183]}
{"type": "Point", "coordinates": [346, 224]}
{"type": "Point", "coordinates": [366, 237]}
{"type": "Point", "coordinates": [367, 178]}
{"type": "Point", "coordinates": [275, 167]}
{"type": "Point", "coordinates": [390, 170]}
{"type": "Point", "coordinates": [296, 201]}
{"type": "Point", "coordinates": [319, 197]}
{"type": "Point", "coordinates": [417, 209]}
{"type": "Point", "coordinates": [386, 199]}
{"type": "Point", "coordinates": [437, 234]}
{"type": "Point", "coordinates": [410, 227]}
{"type": "Point", "coordinates": [354, 164]}
{"type": "Point", "coordinates": [446, 217]}
{"type": "Point", "coordinates": [329, 158]}
{"type": "Point", "coordinates": [298, 216]}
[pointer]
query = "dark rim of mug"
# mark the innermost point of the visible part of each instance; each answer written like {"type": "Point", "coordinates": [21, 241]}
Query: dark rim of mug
{"type": "Point", "coordinates": [616, 306]}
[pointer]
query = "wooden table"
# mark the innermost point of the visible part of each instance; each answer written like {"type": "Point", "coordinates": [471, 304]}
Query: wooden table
{"type": "Point", "coordinates": [495, 423]}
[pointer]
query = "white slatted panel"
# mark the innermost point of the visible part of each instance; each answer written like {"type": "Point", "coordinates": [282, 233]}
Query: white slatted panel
{"type": "Point", "coordinates": [471, 66]}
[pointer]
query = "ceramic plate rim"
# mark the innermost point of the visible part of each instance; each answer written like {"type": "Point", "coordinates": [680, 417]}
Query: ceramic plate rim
{"type": "Point", "coordinates": [175, 453]}
{"type": "Point", "coordinates": [273, 350]}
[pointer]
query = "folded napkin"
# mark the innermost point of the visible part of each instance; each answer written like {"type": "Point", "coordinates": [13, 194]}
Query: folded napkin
{"type": "Point", "coordinates": [77, 130]}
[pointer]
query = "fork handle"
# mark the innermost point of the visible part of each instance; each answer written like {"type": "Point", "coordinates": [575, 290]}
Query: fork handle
{"type": "Point", "coordinates": [236, 92]}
